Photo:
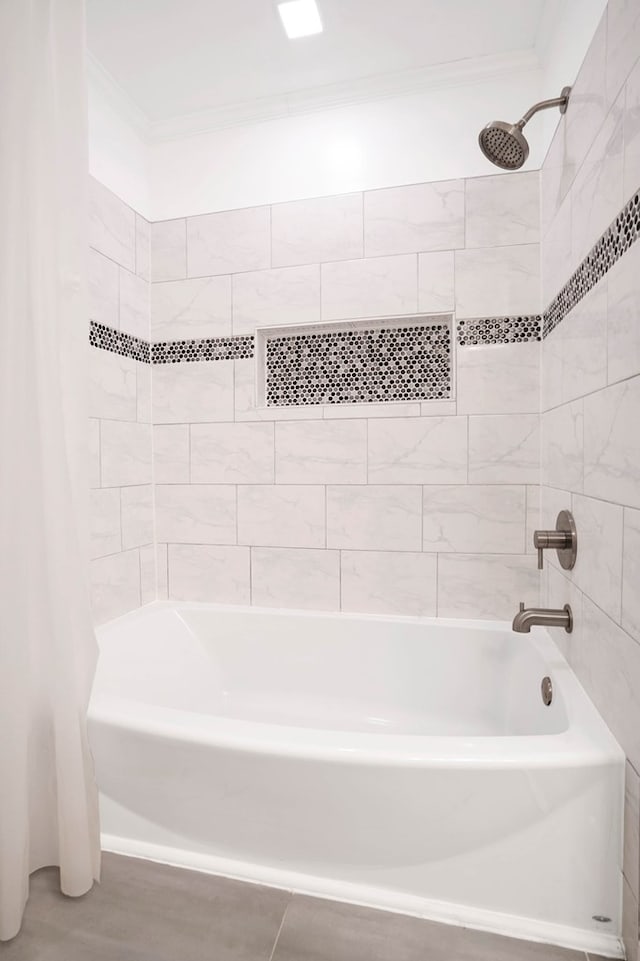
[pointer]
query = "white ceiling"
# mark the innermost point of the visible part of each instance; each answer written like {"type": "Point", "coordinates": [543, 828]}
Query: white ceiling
{"type": "Point", "coordinates": [179, 57]}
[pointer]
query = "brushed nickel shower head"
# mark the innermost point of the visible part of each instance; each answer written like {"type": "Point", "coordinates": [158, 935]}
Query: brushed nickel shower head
{"type": "Point", "coordinates": [505, 145]}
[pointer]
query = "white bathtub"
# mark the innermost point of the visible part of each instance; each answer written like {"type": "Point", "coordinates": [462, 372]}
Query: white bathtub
{"type": "Point", "coordinates": [408, 764]}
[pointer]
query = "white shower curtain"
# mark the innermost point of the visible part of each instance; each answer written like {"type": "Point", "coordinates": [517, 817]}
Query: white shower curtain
{"type": "Point", "coordinates": [48, 804]}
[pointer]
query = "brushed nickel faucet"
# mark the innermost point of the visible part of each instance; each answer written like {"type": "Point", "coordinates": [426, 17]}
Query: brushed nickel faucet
{"type": "Point", "coordinates": [526, 618]}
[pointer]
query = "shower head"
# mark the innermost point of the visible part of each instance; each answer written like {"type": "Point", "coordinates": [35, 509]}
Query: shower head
{"type": "Point", "coordinates": [505, 145]}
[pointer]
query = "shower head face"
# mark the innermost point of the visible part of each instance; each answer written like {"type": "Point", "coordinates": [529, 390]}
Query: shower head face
{"type": "Point", "coordinates": [504, 144]}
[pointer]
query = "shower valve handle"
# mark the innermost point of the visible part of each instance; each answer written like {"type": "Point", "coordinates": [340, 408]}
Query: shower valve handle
{"type": "Point", "coordinates": [564, 540]}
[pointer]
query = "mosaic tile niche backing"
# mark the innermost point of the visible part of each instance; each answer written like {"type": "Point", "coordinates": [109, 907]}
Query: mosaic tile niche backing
{"type": "Point", "coordinates": [357, 363]}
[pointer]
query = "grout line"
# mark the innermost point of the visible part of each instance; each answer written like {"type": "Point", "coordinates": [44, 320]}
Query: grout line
{"type": "Point", "coordinates": [284, 914]}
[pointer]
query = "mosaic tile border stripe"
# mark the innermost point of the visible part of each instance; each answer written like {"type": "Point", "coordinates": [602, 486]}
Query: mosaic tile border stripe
{"type": "Point", "coordinates": [116, 341]}
{"type": "Point", "coordinates": [212, 348]}
{"type": "Point", "coordinates": [499, 330]}
{"type": "Point", "coordinates": [615, 241]}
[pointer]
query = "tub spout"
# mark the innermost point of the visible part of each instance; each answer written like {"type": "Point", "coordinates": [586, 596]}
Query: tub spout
{"type": "Point", "coordinates": [526, 618]}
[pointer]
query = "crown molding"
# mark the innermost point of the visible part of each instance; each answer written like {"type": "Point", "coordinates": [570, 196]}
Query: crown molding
{"type": "Point", "coordinates": [314, 99]}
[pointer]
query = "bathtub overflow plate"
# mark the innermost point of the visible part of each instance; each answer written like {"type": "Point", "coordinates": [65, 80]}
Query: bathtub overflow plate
{"type": "Point", "coordinates": [546, 689]}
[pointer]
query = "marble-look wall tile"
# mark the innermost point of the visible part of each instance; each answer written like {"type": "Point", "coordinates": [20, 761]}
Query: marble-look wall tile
{"type": "Point", "coordinates": [317, 230]}
{"type": "Point", "coordinates": [281, 516]}
{"type": "Point", "coordinates": [631, 574]}
{"type": "Point", "coordinates": [558, 591]}
{"type": "Point", "coordinates": [551, 364]}
{"type": "Point", "coordinates": [143, 385]}
{"type": "Point", "coordinates": [171, 452]}
{"type": "Point", "coordinates": [195, 514]}
{"type": "Point", "coordinates": [112, 228]}
{"type": "Point", "coordinates": [562, 446]}
{"type": "Point", "coordinates": [321, 452]}
{"type": "Point", "coordinates": [631, 857]}
{"type": "Point", "coordinates": [285, 295]}
{"type": "Point", "coordinates": [486, 586]}
{"type": "Point", "coordinates": [246, 402]}
{"type": "Point", "coordinates": [125, 453]}
{"type": "Point", "coordinates": [496, 281]}
{"type": "Point", "coordinates": [213, 574]}
{"type": "Point", "coordinates": [229, 241]}
{"type": "Point", "coordinates": [375, 518]}
{"type": "Point", "coordinates": [193, 393]}
{"type": "Point", "coordinates": [623, 311]}
{"type": "Point", "coordinates": [191, 309]}
{"type": "Point", "coordinates": [389, 582]}
{"type": "Point", "coordinates": [630, 917]}
{"type": "Point", "coordinates": [104, 518]}
{"type": "Point", "coordinates": [607, 663]}
{"type": "Point", "coordinates": [115, 585]}
{"type": "Point", "coordinates": [623, 43]}
{"type": "Point", "coordinates": [143, 248]}
{"type": "Point", "coordinates": [588, 103]}
{"type": "Point", "coordinates": [420, 217]}
{"type": "Point", "coordinates": [558, 261]}
{"type": "Point", "coordinates": [556, 177]}
{"type": "Point", "coordinates": [598, 570]}
{"type": "Point", "coordinates": [375, 287]}
{"type": "Point", "coordinates": [534, 517]}
{"type": "Point", "coordinates": [103, 290]}
{"type": "Point", "coordinates": [112, 386]}
{"type": "Point", "coordinates": [137, 516]}
{"type": "Point", "coordinates": [612, 443]}
{"type": "Point", "coordinates": [232, 454]}
{"type": "Point", "coordinates": [391, 409]}
{"type": "Point", "coordinates": [294, 578]}
{"type": "Point", "coordinates": [169, 250]}
{"type": "Point", "coordinates": [436, 290]}
{"type": "Point", "coordinates": [631, 123]}
{"type": "Point", "coordinates": [504, 449]}
{"type": "Point", "coordinates": [502, 210]}
{"type": "Point", "coordinates": [426, 450]}
{"type": "Point", "coordinates": [149, 572]}
{"type": "Point", "coordinates": [134, 305]}
{"type": "Point", "coordinates": [583, 345]}
{"type": "Point", "coordinates": [94, 453]}
{"type": "Point", "coordinates": [474, 519]}
{"type": "Point", "coordinates": [498, 379]}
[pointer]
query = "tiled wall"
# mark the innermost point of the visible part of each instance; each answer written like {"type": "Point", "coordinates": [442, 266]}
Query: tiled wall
{"type": "Point", "coordinates": [123, 572]}
{"type": "Point", "coordinates": [591, 397]}
{"type": "Point", "coordinates": [408, 507]}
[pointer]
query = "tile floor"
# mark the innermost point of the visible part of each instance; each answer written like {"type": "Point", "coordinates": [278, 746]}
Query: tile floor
{"type": "Point", "coordinates": [150, 912]}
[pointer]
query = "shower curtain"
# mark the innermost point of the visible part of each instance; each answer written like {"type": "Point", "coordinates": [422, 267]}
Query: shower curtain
{"type": "Point", "coordinates": [48, 803]}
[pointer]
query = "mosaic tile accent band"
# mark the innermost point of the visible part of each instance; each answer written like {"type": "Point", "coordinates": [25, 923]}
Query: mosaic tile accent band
{"type": "Point", "coordinates": [499, 330]}
{"type": "Point", "coordinates": [616, 240]}
{"type": "Point", "coordinates": [359, 365]}
{"type": "Point", "coordinates": [106, 338]}
{"type": "Point", "coordinates": [213, 348]}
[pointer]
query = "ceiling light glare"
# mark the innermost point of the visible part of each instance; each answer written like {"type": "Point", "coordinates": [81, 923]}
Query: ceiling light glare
{"type": "Point", "coordinates": [300, 18]}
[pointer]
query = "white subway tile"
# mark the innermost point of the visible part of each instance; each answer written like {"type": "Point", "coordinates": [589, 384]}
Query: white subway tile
{"type": "Point", "coordinates": [562, 446]}
{"type": "Point", "coordinates": [436, 288]}
{"type": "Point", "coordinates": [503, 209]}
{"type": "Point", "coordinates": [631, 574]}
{"type": "Point", "coordinates": [598, 570]}
{"type": "Point", "coordinates": [486, 586]}
{"type": "Point", "coordinates": [134, 305]}
{"type": "Point", "coordinates": [376, 287]}
{"type": "Point", "coordinates": [623, 311]}
{"type": "Point", "coordinates": [104, 526]}
{"type": "Point", "coordinates": [294, 578]}
{"type": "Point", "coordinates": [374, 517]}
{"type": "Point", "coordinates": [111, 226]}
{"type": "Point", "coordinates": [494, 281]}
{"type": "Point", "coordinates": [203, 572]}
{"type": "Point", "coordinates": [125, 451]}
{"type": "Point", "coordinates": [498, 379]}
{"type": "Point", "coordinates": [137, 516]}
{"type": "Point", "coordinates": [115, 585]}
{"type": "Point", "coordinates": [321, 452]}
{"type": "Point", "coordinates": [317, 230]}
{"type": "Point", "coordinates": [389, 582]}
{"type": "Point", "coordinates": [425, 450]}
{"type": "Point", "coordinates": [229, 241]}
{"type": "Point", "coordinates": [112, 386]}
{"type": "Point", "coordinates": [232, 454]}
{"type": "Point", "coordinates": [143, 248]}
{"type": "Point", "coordinates": [169, 250]}
{"type": "Point", "coordinates": [191, 309]}
{"type": "Point", "coordinates": [171, 454]}
{"type": "Point", "coordinates": [103, 290]}
{"type": "Point", "coordinates": [474, 519]}
{"type": "Point", "coordinates": [286, 295]}
{"type": "Point", "coordinates": [191, 393]}
{"type": "Point", "coordinates": [612, 443]}
{"type": "Point", "coordinates": [504, 449]}
{"type": "Point", "coordinates": [195, 514]}
{"type": "Point", "coordinates": [420, 217]}
{"type": "Point", "coordinates": [281, 516]}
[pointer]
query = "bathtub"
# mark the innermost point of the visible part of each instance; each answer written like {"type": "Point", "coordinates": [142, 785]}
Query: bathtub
{"type": "Point", "coordinates": [404, 763]}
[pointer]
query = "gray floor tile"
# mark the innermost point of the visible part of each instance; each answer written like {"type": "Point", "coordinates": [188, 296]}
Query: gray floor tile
{"type": "Point", "coordinates": [316, 930]}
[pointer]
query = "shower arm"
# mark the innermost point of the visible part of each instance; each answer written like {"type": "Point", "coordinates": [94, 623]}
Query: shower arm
{"type": "Point", "coordinates": [560, 102]}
